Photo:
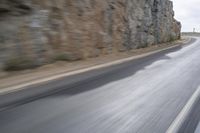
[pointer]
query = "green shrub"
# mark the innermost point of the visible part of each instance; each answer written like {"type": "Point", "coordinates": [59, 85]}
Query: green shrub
{"type": "Point", "coordinates": [19, 63]}
{"type": "Point", "coordinates": [67, 56]}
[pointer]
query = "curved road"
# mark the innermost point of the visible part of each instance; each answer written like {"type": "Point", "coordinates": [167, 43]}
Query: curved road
{"type": "Point", "coordinates": [142, 96]}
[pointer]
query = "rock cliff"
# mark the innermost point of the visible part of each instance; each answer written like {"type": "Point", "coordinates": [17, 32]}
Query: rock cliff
{"type": "Point", "coordinates": [34, 32]}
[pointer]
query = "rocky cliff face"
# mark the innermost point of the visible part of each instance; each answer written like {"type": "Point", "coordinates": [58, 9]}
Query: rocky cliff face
{"type": "Point", "coordinates": [43, 30]}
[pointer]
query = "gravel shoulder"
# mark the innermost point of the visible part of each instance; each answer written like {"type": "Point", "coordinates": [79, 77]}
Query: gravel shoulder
{"type": "Point", "coordinates": [9, 79]}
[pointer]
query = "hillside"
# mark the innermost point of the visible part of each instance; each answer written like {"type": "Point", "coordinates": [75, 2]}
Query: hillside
{"type": "Point", "coordinates": [35, 32]}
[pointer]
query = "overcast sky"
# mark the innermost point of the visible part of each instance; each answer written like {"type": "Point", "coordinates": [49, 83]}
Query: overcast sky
{"type": "Point", "coordinates": [188, 12]}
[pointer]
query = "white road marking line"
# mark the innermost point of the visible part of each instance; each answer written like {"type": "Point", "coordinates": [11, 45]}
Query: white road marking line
{"type": "Point", "coordinates": [175, 126]}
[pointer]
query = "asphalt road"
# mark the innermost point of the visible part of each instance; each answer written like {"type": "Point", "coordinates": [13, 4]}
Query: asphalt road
{"type": "Point", "coordinates": [142, 96]}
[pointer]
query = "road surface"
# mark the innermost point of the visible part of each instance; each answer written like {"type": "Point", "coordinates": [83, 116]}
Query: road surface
{"type": "Point", "coordinates": [141, 96]}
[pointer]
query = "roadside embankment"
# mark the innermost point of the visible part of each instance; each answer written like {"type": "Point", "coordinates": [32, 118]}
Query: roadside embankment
{"type": "Point", "coordinates": [10, 79]}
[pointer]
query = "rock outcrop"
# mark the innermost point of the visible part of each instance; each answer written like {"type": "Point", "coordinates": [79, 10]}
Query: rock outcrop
{"type": "Point", "coordinates": [40, 31]}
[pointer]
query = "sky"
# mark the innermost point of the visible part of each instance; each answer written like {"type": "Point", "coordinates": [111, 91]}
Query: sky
{"type": "Point", "coordinates": [188, 13]}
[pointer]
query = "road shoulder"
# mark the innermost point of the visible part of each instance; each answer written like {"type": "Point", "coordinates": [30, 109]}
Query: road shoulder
{"type": "Point", "coordinates": [16, 81]}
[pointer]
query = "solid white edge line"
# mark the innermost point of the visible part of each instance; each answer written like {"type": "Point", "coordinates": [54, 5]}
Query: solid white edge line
{"type": "Point", "coordinates": [198, 128]}
{"type": "Point", "coordinates": [177, 123]}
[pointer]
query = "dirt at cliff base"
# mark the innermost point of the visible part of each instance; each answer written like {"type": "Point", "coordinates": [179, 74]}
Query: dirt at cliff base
{"type": "Point", "coordinates": [8, 79]}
